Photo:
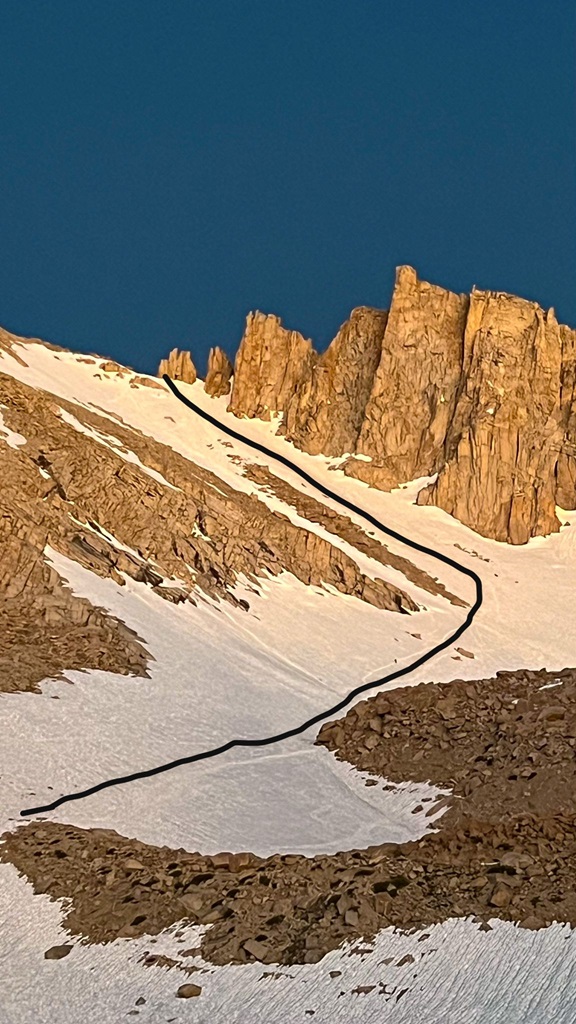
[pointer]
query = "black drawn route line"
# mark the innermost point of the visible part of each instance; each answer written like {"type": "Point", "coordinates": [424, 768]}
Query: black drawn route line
{"type": "Point", "coordinates": [266, 741]}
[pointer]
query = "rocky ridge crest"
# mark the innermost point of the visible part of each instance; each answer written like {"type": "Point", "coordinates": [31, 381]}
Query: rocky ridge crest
{"type": "Point", "coordinates": [478, 392]}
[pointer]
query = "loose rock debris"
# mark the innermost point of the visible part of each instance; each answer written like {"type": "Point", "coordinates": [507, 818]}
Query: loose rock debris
{"type": "Point", "coordinates": [505, 847]}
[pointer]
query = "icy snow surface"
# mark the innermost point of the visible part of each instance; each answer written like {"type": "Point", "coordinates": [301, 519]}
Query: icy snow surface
{"type": "Point", "coordinates": [221, 672]}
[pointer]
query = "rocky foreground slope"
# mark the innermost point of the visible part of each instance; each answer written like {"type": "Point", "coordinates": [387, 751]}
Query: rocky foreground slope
{"type": "Point", "coordinates": [476, 390]}
{"type": "Point", "coordinates": [505, 848]}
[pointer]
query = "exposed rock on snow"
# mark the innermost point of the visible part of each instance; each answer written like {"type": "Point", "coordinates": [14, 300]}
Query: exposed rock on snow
{"type": "Point", "coordinates": [171, 520]}
{"type": "Point", "coordinates": [179, 366]}
{"type": "Point", "coordinates": [506, 847]}
{"type": "Point", "coordinates": [342, 526]}
{"type": "Point", "coordinates": [57, 952]}
{"type": "Point", "coordinates": [188, 991]}
{"type": "Point", "coordinates": [146, 382]}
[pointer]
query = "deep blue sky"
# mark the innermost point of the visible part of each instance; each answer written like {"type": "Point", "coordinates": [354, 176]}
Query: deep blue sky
{"type": "Point", "coordinates": [168, 165]}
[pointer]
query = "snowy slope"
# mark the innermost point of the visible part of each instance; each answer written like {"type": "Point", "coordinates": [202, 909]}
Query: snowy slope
{"type": "Point", "coordinates": [221, 672]}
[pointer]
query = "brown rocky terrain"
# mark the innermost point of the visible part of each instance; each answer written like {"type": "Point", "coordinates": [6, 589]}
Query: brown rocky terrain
{"type": "Point", "coordinates": [505, 845]}
{"type": "Point", "coordinates": [44, 628]}
{"type": "Point", "coordinates": [70, 487]}
{"type": "Point", "coordinates": [342, 526]}
{"type": "Point", "coordinates": [505, 848]}
{"type": "Point", "coordinates": [504, 746]}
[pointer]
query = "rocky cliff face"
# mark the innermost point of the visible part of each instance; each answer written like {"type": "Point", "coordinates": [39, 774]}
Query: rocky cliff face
{"type": "Point", "coordinates": [566, 489]}
{"type": "Point", "coordinates": [44, 628]}
{"type": "Point", "coordinates": [219, 373]}
{"type": "Point", "coordinates": [414, 389]}
{"type": "Point", "coordinates": [271, 364]}
{"type": "Point", "coordinates": [326, 412]}
{"type": "Point", "coordinates": [502, 449]}
{"type": "Point", "coordinates": [478, 390]}
{"type": "Point", "coordinates": [179, 366]}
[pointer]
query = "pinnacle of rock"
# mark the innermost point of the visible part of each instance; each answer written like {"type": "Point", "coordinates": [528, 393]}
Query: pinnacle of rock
{"type": "Point", "coordinates": [479, 391]}
{"type": "Point", "coordinates": [566, 483]}
{"type": "Point", "coordinates": [178, 366]}
{"type": "Point", "coordinates": [271, 364]}
{"type": "Point", "coordinates": [219, 373]}
{"type": "Point", "coordinates": [326, 413]}
{"type": "Point", "coordinates": [502, 448]}
{"type": "Point", "coordinates": [414, 389]}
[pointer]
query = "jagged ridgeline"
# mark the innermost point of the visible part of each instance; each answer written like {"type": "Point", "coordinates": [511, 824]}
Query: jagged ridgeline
{"type": "Point", "coordinates": [477, 391]}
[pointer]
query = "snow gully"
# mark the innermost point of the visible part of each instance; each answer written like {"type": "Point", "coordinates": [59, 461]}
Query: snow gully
{"type": "Point", "coordinates": [266, 741]}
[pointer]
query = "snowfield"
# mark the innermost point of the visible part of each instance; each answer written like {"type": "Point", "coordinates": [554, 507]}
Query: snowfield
{"type": "Point", "coordinates": [221, 672]}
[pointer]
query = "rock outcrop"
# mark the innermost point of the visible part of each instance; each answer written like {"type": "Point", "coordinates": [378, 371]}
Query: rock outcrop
{"type": "Point", "coordinates": [12, 343]}
{"type": "Point", "coordinates": [178, 366]}
{"type": "Point", "coordinates": [271, 364]}
{"type": "Point", "coordinates": [566, 486]}
{"type": "Point", "coordinates": [326, 412]}
{"type": "Point", "coordinates": [44, 627]}
{"type": "Point", "coordinates": [146, 382]}
{"type": "Point", "coordinates": [123, 504]}
{"type": "Point", "coordinates": [501, 455]}
{"type": "Point", "coordinates": [314, 511]}
{"type": "Point", "coordinates": [111, 366]}
{"type": "Point", "coordinates": [478, 392]}
{"type": "Point", "coordinates": [219, 373]}
{"type": "Point", "coordinates": [414, 389]}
